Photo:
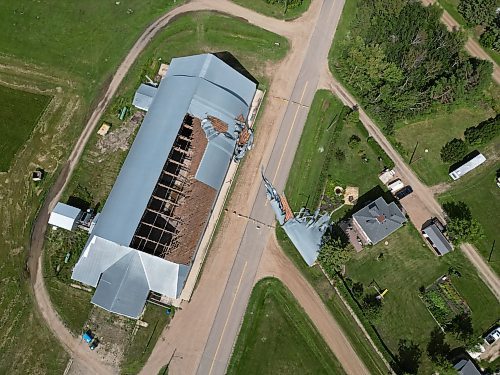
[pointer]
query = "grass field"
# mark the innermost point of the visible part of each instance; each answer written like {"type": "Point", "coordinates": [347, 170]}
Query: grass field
{"type": "Point", "coordinates": [407, 262]}
{"type": "Point", "coordinates": [20, 112]}
{"type": "Point", "coordinates": [67, 51]}
{"type": "Point", "coordinates": [479, 191]}
{"type": "Point", "coordinates": [277, 337]}
{"type": "Point", "coordinates": [275, 10]}
{"type": "Point", "coordinates": [432, 134]}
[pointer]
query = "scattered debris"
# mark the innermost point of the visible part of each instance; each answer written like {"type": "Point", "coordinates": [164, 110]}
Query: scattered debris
{"type": "Point", "coordinates": [104, 129]}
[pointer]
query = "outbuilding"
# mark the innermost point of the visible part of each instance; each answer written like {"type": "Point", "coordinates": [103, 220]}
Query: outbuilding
{"type": "Point", "coordinates": [436, 239]}
{"type": "Point", "coordinates": [65, 216]}
{"type": "Point", "coordinates": [144, 96]}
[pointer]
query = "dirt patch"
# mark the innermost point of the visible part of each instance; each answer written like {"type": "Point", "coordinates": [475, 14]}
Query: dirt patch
{"type": "Point", "coordinates": [119, 138]}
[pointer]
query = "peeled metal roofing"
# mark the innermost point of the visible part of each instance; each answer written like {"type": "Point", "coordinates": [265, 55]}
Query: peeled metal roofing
{"type": "Point", "coordinates": [442, 245]}
{"type": "Point", "coordinates": [306, 237]}
{"type": "Point", "coordinates": [376, 230]}
{"type": "Point", "coordinates": [184, 89]}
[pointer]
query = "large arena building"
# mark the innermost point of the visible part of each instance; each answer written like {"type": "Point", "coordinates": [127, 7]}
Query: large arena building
{"type": "Point", "coordinates": [149, 230]}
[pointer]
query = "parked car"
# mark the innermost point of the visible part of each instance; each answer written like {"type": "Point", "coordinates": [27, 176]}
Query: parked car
{"type": "Point", "coordinates": [407, 190]}
{"type": "Point", "coordinates": [87, 336]}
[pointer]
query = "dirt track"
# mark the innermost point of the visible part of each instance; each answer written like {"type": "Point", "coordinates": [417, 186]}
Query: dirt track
{"type": "Point", "coordinates": [471, 45]}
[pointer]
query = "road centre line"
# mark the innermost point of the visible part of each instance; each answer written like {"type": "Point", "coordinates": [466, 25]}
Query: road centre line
{"type": "Point", "coordinates": [227, 319]}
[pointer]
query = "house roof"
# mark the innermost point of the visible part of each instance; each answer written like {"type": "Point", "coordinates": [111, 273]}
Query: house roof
{"type": "Point", "coordinates": [467, 167]}
{"type": "Point", "coordinates": [466, 367]}
{"type": "Point", "coordinates": [441, 244]}
{"type": "Point", "coordinates": [379, 219]}
{"type": "Point", "coordinates": [144, 96]}
{"type": "Point", "coordinates": [198, 85]}
{"type": "Point", "coordinates": [124, 276]}
{"type": "Point", "coordinates": [64, 216]}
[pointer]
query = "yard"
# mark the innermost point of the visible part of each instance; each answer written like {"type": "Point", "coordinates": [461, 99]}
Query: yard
{"type": "Point", "coordinates": [20, 112]}
{"type": "Point", "coordinates": [481, 194]}
{"type": "Point", "coordinates": [406, 264]}
{"type": "Point", "coordinates": [277, 337]}
{"type": "Point", "coordinates": [431, 134]}
{"type": "Point", "coordinates": [283, 9]}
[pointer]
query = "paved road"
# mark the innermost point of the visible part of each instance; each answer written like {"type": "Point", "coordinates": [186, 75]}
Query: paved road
{"type": "Point", "coordinates": [422, 204]}
{"type": "Point", "coordinates": [471, 45]}
{"type": "Point", "coordinates": [225, 327]}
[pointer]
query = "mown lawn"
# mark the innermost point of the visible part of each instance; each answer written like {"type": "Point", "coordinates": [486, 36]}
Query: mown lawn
{"type": "Point", "coordinates": [432, 134]}
{"type": "Point", "coordinates": [481, 194]}
{"type": "Point", "coordinates": [20, 112]}
{"type": "Point", "coordinates": [277, 337]}
{"type": "Point", "coordinates": [278, 10]}
{"type": "Point", "coordinates": [407, 263]}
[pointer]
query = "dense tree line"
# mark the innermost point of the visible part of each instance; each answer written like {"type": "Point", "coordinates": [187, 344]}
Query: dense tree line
{"type": "Point", "coordinates": [483, 13]}
{"type": "Point", "coordinates": [401, 61]}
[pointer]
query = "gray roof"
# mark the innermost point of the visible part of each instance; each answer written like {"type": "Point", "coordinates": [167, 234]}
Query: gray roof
{"type": "Point", "coordinates": [441, 244]}
{"type": "Point", "coordinates": [127, 276]}
{"type": "Point", "coordinates": [185, 89]}
{"type": "Point", "coordinates": [467, 167]}
{"type": "Point", "coordinates": [379, 219]}
{"type": "Point", "coordinates": [64, 216]}
{"type": "Point", "coordinates": [144, 96]}
{"type": "Point", "coordinates": [466, 367]}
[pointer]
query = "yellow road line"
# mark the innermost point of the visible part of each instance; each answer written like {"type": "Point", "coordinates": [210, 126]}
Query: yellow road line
{"type": "Point", "coordinates": [290, 132]}
{"type": "Point", "coordinates": [228, 316]}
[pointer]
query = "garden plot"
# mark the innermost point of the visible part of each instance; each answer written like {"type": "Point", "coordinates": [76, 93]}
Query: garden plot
{"type": "Point", "coordinates": [444, 302]}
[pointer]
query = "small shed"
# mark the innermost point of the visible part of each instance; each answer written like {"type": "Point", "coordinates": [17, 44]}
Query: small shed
{"type": "Point", "coordinates": [437, 240]}
{"type": "Point", "coordinates": [65, 216]}
{"type": "Point", "coordinates": [144, 96]}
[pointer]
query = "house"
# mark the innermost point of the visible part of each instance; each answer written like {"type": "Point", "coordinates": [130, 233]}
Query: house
{"type": "Point", "coordinates": [467, 167]}
{"type": "Point", "coordinates": [377, 220]}
{"type": "Point", "coordinates": [466, 367]}
{"type": "Point", "coordinates": [149, 230]}
{"type": "Point", "coordinates": [65, 216]}
{"type": "Point", "coordinates": [144, 96]}
{"type": "Point", "coordinates": [436, 239]}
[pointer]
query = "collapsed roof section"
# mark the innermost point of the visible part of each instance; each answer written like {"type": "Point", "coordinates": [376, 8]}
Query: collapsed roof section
{"type": "Point", "coordinates": [152, 222]}
{"type": "Point", "coordinates": [306, 231]}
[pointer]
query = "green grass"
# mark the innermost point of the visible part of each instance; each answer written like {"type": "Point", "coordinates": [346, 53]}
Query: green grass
{"type": "Point", "coordinates": [67, 50]}
{"type": "Point", "coordinates": [407, 262]}
{"type": "Point", "coordinates": [277, 337]}
{"type": "Point", "coordinates": [20, 112]}
{"type": "Point", "coordinates": [141, 345]}
{"type": "Point", "coordinates": [343, 30]}
{"type": "Point", "coordinates": [275, 10]}
{"type": "Point", "coordinates": [432, 134]}
{"type": "Point", "coordinates": [480, 192]}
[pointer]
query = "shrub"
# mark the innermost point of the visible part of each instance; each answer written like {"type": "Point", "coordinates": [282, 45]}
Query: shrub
{"type": "Point", "coordinates": [491, 39]}
{"type": "Point", "coordinates": [484, 132]}
{"type": "Point", "coordinates": [453, 151]}
{"type": "Point", "coordinates": [339, 154]}
{"type": "Point", "coordinates": [354, 141]}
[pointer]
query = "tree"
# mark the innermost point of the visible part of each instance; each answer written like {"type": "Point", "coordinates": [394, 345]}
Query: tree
{"type": "Point", "coordinates": [372, 306]}
{"type": "Point", "coordinates": [354, 141]}
{"type": "Point", "coordinates": [333, 255]}
{"type": "Point", "coordinates": [453, 151]}
{"type": "Point", "coordinates": [484, 132]}
{"type": "Point", "coordinates": [491, 39]}
{"type": "Point", "coordinates": [437, 348]}
{"type": "Point", "coordinates": [357, 289]}
{"type": "Point", "coordinates": [461, 326]}
{"type": "Point", "coordinates": [462, 230]}
{"type": "Point", "coordinates": [478, 12]}
{"type": "Point", "coordinates": [408, 357]}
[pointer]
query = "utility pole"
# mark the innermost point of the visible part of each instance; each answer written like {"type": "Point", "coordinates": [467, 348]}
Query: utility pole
{"type": "Point", "coordinates": [413, 154]}
{"type": "Point", "coordinates": [491, 251]}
